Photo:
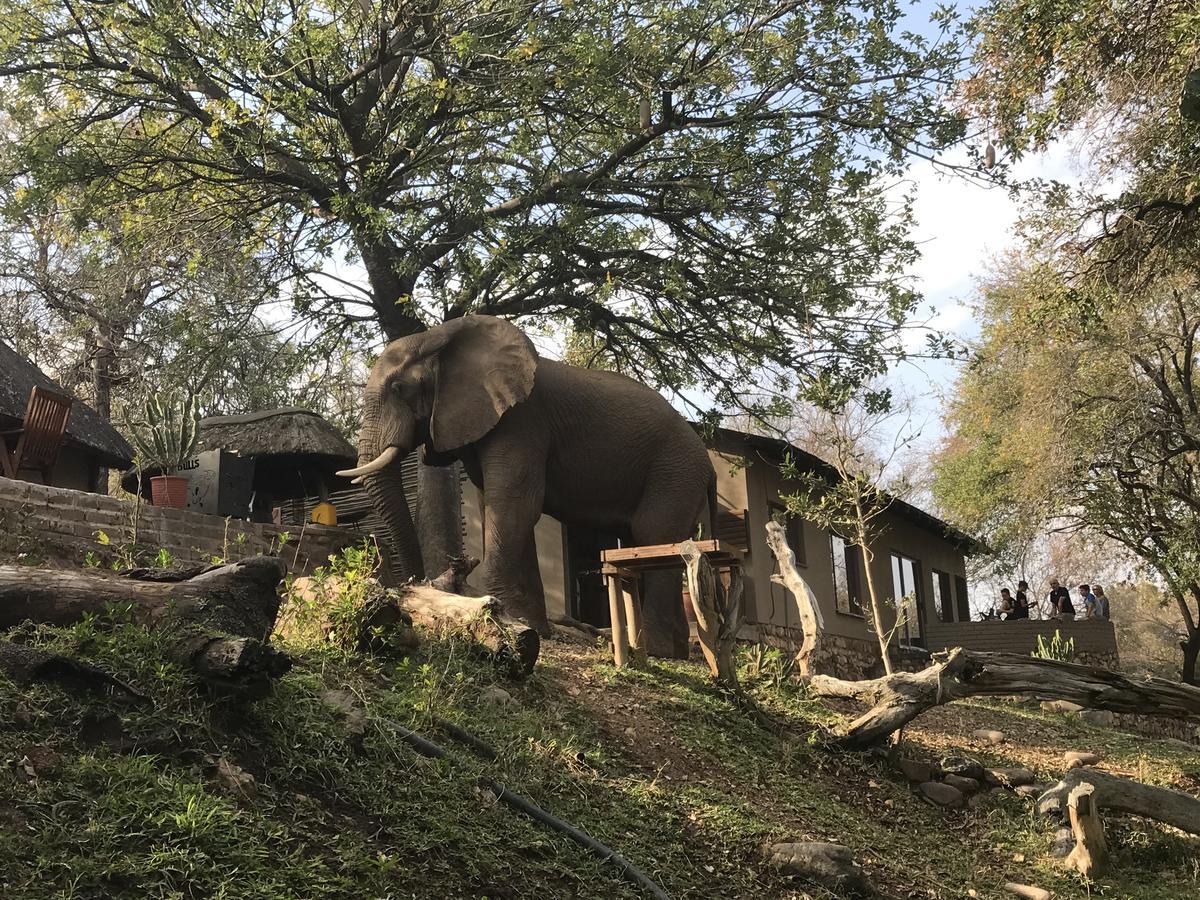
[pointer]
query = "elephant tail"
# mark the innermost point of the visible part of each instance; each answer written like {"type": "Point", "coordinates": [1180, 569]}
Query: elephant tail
{"type": "Point", "coordinates": [712, 507]}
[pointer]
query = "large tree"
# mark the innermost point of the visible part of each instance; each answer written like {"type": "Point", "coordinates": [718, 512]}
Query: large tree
{"type": "Point", "coordinates": [1079, 413]}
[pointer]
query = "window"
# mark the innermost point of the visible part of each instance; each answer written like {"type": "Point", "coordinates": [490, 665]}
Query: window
{"type": "Point", "coordinates": [961, 600]}
{"type": "Point", "coordinates": [907, 595]}
{"type": "Point", "coordinates": [845, 575]}
{"type": "Point", "coordinates": [943, 603]}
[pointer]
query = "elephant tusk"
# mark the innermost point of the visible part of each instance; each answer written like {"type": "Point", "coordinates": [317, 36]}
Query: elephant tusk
{"type": "Point", "coordinates": [358, 480]}
{"type": "Point", "coordinates": [383, 460]}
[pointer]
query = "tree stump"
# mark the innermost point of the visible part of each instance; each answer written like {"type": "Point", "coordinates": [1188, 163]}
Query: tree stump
{"type": "Point", "coordinates": [1091, 852]}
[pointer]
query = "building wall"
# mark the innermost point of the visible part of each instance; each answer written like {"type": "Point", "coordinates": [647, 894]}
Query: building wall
{"type": "Point", "coordinates": [1095, 639]}
{"type": "Point", "coordinates": [75, 469]}
{"type": "Point", "coordinates": [54, 521]}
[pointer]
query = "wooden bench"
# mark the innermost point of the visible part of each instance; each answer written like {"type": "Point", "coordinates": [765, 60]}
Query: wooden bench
{"type": "Point", "coordinates": [40, 437]}
{"type": "Point", "coordinates": [621, 568]}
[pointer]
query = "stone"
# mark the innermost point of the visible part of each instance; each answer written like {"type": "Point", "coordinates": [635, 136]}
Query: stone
{"type": "Point", "coordinates": [988, 735]}
{"type": "Point", "coordinates": [233, 779]}
{"type": "Point", "coordinates": [942, 794]}
{"type": "Point", "coordinates": [1064, 842]}
{"type": "Point", "coordinates": [1027, 891]}
{"type": "Point", "coordinates": [1101, 718]}
{"type": "Point", "coordinates": [1032, 791]}
{"type": "Point", "coordinates": [963, 766]}
{"type": "Point", "coordinates": [1013, 778]}
{"type": "Point", "coordinates": [1065, 706]}
{"type": "Point", "coordinates": [830, 865]}
{"type": "Point", "coordinates": [1076, 758]}
{"type": "Point", "coordinates": [496, 696]}
{"type": "Point", "coordinates": [966, 785]}
{"type": "Point", "coordinates": [345, 704]}
{"type": "Point", "coordinates": [39, 761]}
{"type": "Point", "coordinates": [915, 770]}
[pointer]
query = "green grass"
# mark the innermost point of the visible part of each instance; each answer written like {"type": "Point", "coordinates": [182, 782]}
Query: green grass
{"type": "Point", "coordinates": [690, 795]}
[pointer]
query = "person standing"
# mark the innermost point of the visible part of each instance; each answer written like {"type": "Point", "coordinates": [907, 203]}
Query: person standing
{"type": "Point", "coordinates": [1101, 601]}
{"type": "Point", "coordinates": [1023, 599]}
{"type": "Point", "coordinates": [1005, 606]}
{"type": "Point", "coordinates": [1060, 601]}
{"type": "Point", "coordinates": [1088, 599]}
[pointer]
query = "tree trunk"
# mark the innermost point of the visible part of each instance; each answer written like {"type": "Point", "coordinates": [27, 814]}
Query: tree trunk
{"type": "Point", "coordinates": [217, 620]}
{"type": "Point", "coordinates": [876, 609]}
{"type": "Point", "coordinates": [1191, 649]}
{"type": "Point", "coordinates": [806, 601]}
{"type": "Point", "coordinates": [900, 698]}
{"type": "Point", "coordinates": [439, 515]}
{"type": "Point", "coordinates": [1171, 807]}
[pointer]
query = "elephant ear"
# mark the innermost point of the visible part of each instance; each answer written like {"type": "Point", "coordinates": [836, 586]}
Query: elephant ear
{"type": "Point", "coordinates": [484, 369]}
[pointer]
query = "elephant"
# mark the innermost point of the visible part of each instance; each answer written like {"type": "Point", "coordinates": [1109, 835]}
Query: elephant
{"type": "Point", "coordinates": [591, 448]}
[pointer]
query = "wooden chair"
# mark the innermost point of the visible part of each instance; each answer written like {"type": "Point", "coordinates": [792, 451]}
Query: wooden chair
{"type": "Point", "coordinates": [40, 438]}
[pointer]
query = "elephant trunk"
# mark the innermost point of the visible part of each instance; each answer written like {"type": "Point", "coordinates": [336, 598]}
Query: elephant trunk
{"type": "Point", "coordinates": [384, 485]}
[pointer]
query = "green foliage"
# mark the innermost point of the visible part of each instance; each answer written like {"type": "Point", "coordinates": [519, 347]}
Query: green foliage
{"type": "Point", "coordinates": [493, 159]}
{"type": "Point", "coordinates": [1056, 648]}
{"type": "Point", "coordinates": [167, 434]}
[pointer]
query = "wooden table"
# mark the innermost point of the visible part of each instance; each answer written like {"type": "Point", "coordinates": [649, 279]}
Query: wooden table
{"type": "Point", "coordinates": [621, 568]}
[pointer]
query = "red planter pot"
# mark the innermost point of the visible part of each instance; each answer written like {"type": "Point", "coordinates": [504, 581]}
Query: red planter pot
{"type": "Point", "coordinates": [169, 490]}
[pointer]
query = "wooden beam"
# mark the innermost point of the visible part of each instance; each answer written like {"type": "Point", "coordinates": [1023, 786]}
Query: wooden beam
{"type": "Point", "coordinates": [616, 612]}
{"type": "Point", "coordinates": [631, 595]}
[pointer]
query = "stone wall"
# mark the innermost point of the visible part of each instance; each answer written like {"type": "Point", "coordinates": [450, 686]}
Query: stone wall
{"type": "Point", "coordinates": [839, 655]}
{"type": "Point", "coordinates": [52, 522]}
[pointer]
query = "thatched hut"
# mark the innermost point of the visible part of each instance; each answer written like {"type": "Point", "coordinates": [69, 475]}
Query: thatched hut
{"type": "Point", "coordinates": [296, 453]}
{"type": "Point", "coordinates": [90, 445]}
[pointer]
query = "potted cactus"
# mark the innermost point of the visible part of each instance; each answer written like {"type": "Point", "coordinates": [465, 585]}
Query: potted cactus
{"type": "Point", "coordinates": [165, 439]}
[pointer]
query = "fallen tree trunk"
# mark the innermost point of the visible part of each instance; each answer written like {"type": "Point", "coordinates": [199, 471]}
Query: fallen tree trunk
{"type": "Point", "coordinates": [898, 699]}
{"type": "Point", "coordinates": [216, 620]}
{"type": "Point", "coordinates": [513, 645]}
{"type": "Point", "coordinates": [1112, 792]}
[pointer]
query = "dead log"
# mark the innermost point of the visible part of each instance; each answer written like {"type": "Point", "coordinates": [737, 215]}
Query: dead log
{"type": "Point", "coordinates": [513, 645]}
{"type": "Point", "coordinates": [217, 622]}
{"type": "Point", "coordinates": [898, 699]}
{"type": "Point", "coordinates": [1090, 854]}
{"type": "Point", "coordinates": [718, 612]}
{"type": "Point", "coordinates": [454, 579]}
{"type": "Point", "coordinates": [806, 600]}
{"type": "Point", "coordinates": [26, 665]}
{"type": "Point", "coordinates": [1112, 792]}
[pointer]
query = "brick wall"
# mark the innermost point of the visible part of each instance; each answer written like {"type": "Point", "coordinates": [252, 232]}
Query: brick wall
{"type": "Point", "coordinates": [57, 522]}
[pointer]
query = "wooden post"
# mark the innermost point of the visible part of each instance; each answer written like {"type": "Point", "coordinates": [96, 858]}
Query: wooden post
{"type": "Point", "coordinates": [616, 611]}
{"type": "Point", "coordinates": [633, 616]}
{"type": "Point", "coordinates": [1090, 851]}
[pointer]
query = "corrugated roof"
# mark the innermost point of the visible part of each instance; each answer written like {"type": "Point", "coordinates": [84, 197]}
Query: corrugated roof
{"type": "Point", "coordinates": [777, 447]}
{"type": "Point", "coordinates": [85, 427]}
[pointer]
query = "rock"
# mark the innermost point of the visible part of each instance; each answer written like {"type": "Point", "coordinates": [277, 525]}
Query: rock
{"type": "Point", "coordinates": [1064, 842]}
{"type": "Point", "coordinates": [345, 704]}
{"type": "Point", "coordinates": [496, 696]}
{"type": "Point", "coordinates": [1101, 718]}
{"type": "Point", "coordinates": [915, 770]}
{"type": "Point", "coordinates": [1032, 791]}
{"type": "Point", "coordinates": [1013, 778]}
{"type": "Point", "coordinates": [233, 779]}
{"type": "Point", "coordinates": [830, 865]}
{"type": "Point", "coordinates": [965, 785]}
{"type": "Point", "coordinates": [962, 766]}
{"type": "Point", "coordinates": [941, 793]}
{"type": "Point", "coordinates": [988, 736]}
{"type": "Point", "coordinates": [1065, 706]}
{"type": "Point", "coordinates": [1075, 758]}
{"type": "Point", "coordinates": [1028, 891]}
{"type": "Point", "coordinates": [38, 761]}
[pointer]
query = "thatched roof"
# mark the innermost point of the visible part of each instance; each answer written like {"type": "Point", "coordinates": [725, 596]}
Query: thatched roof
{"type": "Point", "coordinates": [295, 450]}
{"type": "Point", "coordinates": [277, 432]}
{"type": "Point", "coordinates": [85, 428]}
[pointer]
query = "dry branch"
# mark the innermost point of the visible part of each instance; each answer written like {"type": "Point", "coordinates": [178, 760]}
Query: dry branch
{"type": "Point", "coordinates": [1090, 853]}
{"type": "Point", "coordinates": [718, 612]}
{"type": "Point", "coordinates": [1122, 795]}
{"type": "Point", "coordinates": [217, 620]}
{"type": "Point", "coordinates": [898, 699]}
{"type": "Point", "coordinates": [806, 600]}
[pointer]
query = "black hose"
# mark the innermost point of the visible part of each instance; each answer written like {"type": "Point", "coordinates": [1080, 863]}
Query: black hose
{"type": "Point", "coordinates": [426, 747]}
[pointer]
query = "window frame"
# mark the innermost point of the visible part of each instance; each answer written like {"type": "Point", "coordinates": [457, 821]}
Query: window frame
{"type": "Point", "coordinates": [907, 636]}
{"type": "Point", "coordinates": [851, 557]}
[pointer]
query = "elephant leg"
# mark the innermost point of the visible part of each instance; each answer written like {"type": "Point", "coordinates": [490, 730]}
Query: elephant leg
{"type": "Point", "coordinates": [510, 566]}
{"type": "Point", "coordinates": [664, 520]}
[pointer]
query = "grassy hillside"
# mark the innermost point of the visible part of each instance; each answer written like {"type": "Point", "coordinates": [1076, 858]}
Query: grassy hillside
{"type": "Point", "coordinates": [99, 799]}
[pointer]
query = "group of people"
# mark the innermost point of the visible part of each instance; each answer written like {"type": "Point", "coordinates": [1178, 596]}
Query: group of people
{"type": "Point", "coordinates": [1093, 602]}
